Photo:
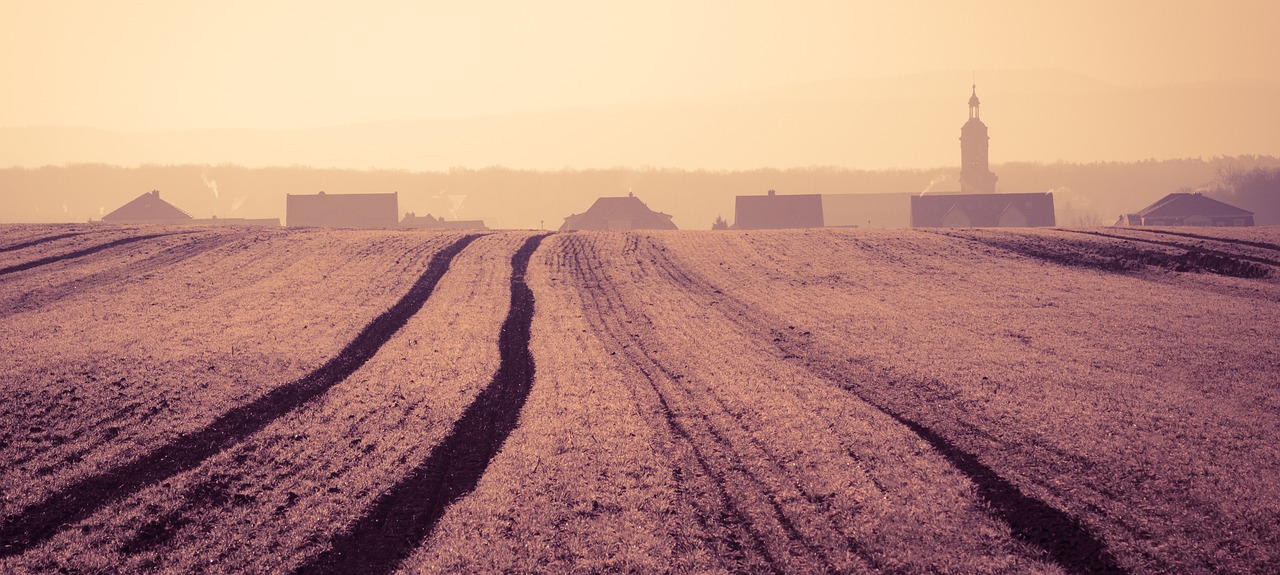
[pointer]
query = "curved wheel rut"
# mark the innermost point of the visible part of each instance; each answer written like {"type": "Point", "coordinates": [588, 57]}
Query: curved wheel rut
{"type": "Point", "coordinates": [81, 252]}
{"type": "Point", "coordinates": [45, 519]}
{"type": "Point", "coordinates": [400, 519]}
{"type": "Point", "coordinates": [756, 496]}
{"type": "Point", "coordinates": [1033, 521]}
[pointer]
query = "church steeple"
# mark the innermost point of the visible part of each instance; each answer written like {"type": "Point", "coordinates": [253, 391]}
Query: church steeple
{"type": "Point", "coordinates": [975, 175]}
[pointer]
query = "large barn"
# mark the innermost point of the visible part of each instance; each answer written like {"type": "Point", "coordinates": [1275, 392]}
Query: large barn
{"type": "Point", "coordinates": [342, 210]}
{"type": "Point", "coordinates": [1189, 209]}
{"type": "Point", "coordinates": [618, 213]}
{"type": "Point", "coordinates": [773, 211]}
{"type": "Point", "coordinates": [982, 210]}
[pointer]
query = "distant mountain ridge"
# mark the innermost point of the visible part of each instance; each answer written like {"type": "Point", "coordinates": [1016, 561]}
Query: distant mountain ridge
{"type": "Point", "coordinates": [907, 121]}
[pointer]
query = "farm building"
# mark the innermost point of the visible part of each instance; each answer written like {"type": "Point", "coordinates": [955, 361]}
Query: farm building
{"type": "Point", "coordinates": [430, 222]}
{"type": "Point", "coordinates": [150, 209]}
{"type": "Point", "coordinates": [341, 210]}
{"type": "Point", "coordinates": [618, 213]}
{"type": "Point", "coordinates": [982, 210]}
{"type": "Point", "coordinates": [1188, 209]}
{"type": "Point", "coordinates": [772, 211]}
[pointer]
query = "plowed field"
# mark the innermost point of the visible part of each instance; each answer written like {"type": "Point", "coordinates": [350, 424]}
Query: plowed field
{"type": "Point", "coordinates": [187, 400]}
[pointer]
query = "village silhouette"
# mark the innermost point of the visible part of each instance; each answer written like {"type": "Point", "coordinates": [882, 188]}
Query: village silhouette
{"type": "Point", "coordinates": [977, 203]}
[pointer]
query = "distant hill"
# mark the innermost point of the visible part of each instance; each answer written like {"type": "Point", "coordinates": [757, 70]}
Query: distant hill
{"type": "Point", "coordinates": [908, 121]}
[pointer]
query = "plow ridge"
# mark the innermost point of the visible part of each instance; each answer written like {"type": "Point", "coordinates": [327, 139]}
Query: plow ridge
{"type": "Point", "coordinates": [1061, 536]}
{"type": "Point", "coordinates": [79, 253]}
{"type": "Point", "coordinates": [38, 241]}
{"type": "Point", "coordinates": [81, 499]}
{"type": "Point", "coordinates": [400, 519]}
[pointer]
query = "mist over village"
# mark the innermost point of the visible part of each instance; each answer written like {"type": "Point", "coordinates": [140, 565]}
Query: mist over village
{"type": "Point", "coordinates": [414, 287]}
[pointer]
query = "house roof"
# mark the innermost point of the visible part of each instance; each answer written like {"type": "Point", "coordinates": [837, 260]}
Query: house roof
{"type": "Point", "coordinates": [148, 206]}
{"type": "Point", "coordinates": [1183, 204]}
{"type": "Point", "coordinates": [627, 209]}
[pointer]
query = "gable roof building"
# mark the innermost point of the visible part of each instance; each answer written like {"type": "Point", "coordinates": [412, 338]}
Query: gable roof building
{"type": "Point", "coordinates": [342, 210]}
{"type": "Point", "coordinates": [982, 210]}
{"type": "Point", "coordinates": [773, 211]}
{"type": "Point", "coordinates": [430, 222]}
{"type": "Point", "coordinates": [1189, 209]}
{"type": "Point", "coordinates": [148, 209]}
{"type": "Point", "coordinates": [618, 213]}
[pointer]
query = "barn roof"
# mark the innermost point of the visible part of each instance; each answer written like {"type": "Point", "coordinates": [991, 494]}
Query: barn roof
{"type": "Point", "coordinates": [1183, 204]}
{"type": "Point", "coordinates": [625, 212]}
{"type": "Point", "coordinates": [342, 210]}
{"type": "Point", "coordinates": [148, 206]}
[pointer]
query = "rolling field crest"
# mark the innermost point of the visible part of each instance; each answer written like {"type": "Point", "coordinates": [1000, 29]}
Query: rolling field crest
{"type": "Point", "coordinates": [971, 401]}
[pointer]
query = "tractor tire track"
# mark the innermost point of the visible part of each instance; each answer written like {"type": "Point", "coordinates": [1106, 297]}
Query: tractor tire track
{"type": "Point", "coordinates": [81, 252]}
{"type": "Point", "coordinates": [41, 297]}
{"type": "Point", "coordinates": [1183, 246]}
{"type": "Point", "coordinates": [742, 537]}
{"type": "Point", "coordinates": [41, 521]}
{"type": "Point", "coordinates": [1252, 244]}
{"type": "Point", "coordinates": [1118, 258]}
{"type": "Point", "coordinates": [1062, 537]}
{"type": "Point", "coordinates": [690, 409]}
{"type": "Point", "coordinates": [38, 241]}
{"type": "Point", "coordinates": [403, 517]}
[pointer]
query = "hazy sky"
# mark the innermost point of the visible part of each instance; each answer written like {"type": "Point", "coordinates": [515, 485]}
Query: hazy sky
{"type": "Point", "coordinates": [141, 65]}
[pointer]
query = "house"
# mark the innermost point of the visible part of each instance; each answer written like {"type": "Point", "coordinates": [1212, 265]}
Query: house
{"type": "Point", "coordinates": [618, 213]}
{"type": "Point", "coordinates": [414, 221]}
{"type": "Point", "coordinates": [342, 210]}
{"type": "Point", "coordinates": [772, 211]}
{"type": "Point", "coordinates": [148, 209]}
{"type": "Point", "coordinates": [945, 210]}
{"type": "Point", "coordinates": [1188, 209]}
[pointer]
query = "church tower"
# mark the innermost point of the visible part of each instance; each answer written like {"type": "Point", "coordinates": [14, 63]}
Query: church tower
{"type": "Point", "coordinates": [975, 176]}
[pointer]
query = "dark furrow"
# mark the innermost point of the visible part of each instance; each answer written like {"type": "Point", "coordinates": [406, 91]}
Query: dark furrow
{"type": "Point", "coordinates": [80, 253]}
{"type": "Point", "coordinates": [1262, 245]}
{"type": "Point", "coordinates": [1210, 251]}
{"type": "Point", "coordinates": [400, 519]}
{"type": "Point", "coordinates": [38, 241]}
{"type": "Point", "coordinates": [737, 516]}
{"type": "Point", "coordinates": [1068, 542]}
{"type": "Point", "coordinates": [43, 520]}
